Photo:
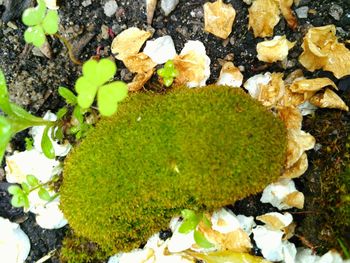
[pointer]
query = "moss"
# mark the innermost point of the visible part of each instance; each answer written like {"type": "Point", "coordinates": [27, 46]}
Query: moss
{"type": "Point", "coordinates": [77, 249]}
{"type": "Point", "coordinates": [191, 148]}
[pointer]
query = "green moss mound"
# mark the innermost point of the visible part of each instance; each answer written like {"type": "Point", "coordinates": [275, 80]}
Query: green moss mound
{"type": "Point", "coordinates": [190, 148]}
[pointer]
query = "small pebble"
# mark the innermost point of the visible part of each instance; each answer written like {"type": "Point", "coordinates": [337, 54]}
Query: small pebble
{"type": "Point", "coordinates": [168, 6]}
{"type": "Point", "coordinates": [336, 11]}
{"type": "Point", "coordinates": [86, 3]}
{"type": "Point", "coordinates": [345, 19]}
{"type": "Point", "coordinates": [110, 8]}
{"type": "Point", "coordinates": [302, 12]}
{"type": "Point", "coordinates": [104, 32]}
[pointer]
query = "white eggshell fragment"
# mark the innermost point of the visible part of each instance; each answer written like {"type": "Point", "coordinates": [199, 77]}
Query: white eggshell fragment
{"type": "Point", "coordinates": [32, 162]}
{"type": "Point", "coordinates": [270, 242]}
{"type": "Point", "coordinates": [224, 221]}
{"type": "Point", "coordinates": [247, 223]}
{"type": "Point", "coordinates": [14, 243]}
{"type": "Point", "coordinates": [161, 49]}
{"type": "Point", "coordinates": [50, 216]}
{"type": "Point", "coordinates": [252, 85]}
{"type": "Point", "coordinates": [168, 6]}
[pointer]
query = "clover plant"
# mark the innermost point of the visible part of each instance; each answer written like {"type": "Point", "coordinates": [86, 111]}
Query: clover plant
{"type": "Point", "coordinates": [17, 119]}
{"type": "Point", "coordinates": [168, 73]}
{"type": "Point", "coordinates": [21, 193]}
{"type": "Point", "coordinates": [40, 22]}
{"type": "Point", "coordinates": [191, 220]}
{"type": "Point", "coordinates": [96, 75]}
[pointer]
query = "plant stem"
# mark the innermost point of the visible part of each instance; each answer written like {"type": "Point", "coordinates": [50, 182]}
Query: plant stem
{"type": "Point", "coordinates": [69, 47]}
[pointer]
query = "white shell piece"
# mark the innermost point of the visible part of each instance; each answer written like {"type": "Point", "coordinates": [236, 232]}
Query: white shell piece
{"type": "Point", "coordinates": [253, 84]}
{"type": "Point", "coordinates": [160, 50]}
{"type": "Point", "coordinates": [14, 243]}
{"type": "Point", "coordinates": [247, 223]}
{"type": "Point", "coordinates": [32, 162]}
{"type": "Point", "coordinates": [179, 242]}
{"type": "Point", "coordinates": [37, 133]}
{"type": "Point", "coordinates": [168, 6]}
{"type": "Point", "coordinates": [224, 221]}
{"type": "Point", "coordinates": [50, 216]}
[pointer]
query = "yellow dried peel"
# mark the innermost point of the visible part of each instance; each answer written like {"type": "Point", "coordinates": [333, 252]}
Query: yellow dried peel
{"type": "Point", "coordinates": [274, 50]}
{"type": "Point", "coordinates": [264, 15]}
{"type": "Point", "coordinates": [218, 18]}
{"type": "Point", "coordinates": [322, 50]}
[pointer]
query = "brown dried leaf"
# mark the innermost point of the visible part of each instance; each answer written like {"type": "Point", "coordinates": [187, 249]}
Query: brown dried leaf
{"type": "Point", "coordinates": [287, 12]}
{"type": "Point", "coordinates": [274, 50]}
{"type": "Point", "coordinates": [264, 15]}
{"type": "Point", "coordinates": [295, 199]}
{"type": "Point", "coordinates": [298, 142]}
{"type": "Point", "coordinates": [271, 93]}
{"type": "Point", "coordinates": [218, 18]}
{"type": "Point", "coordinates": [322, 50]}
{"type": "Point", "coordinates": [129, 42]}
{"type": "Point", "coordinates": [139, 63]}
{"type": "Point", "coordinates": [291, 117]}
{"type": "Point", "coordinates": [328, 99]}
{"type": "Point", "coordinates": [297, 169]}
{"type": "Point", "coordinates": [140, 80]}
{"type": "Point", "coordinates": [230, 75]}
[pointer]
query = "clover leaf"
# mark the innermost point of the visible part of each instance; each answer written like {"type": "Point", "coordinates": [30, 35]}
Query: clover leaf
{"type": "Point", "coordinates": [40, 23]}
{"type": "Point", "coordinates": [168, 73]}
{"type": "Point", "coordinates": [96, 74]}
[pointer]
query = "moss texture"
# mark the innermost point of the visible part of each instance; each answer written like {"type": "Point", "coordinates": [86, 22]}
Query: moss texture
{"type": "Point", "coordinates": [190, 148]}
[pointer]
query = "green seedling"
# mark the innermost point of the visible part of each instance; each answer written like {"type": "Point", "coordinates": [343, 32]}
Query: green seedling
{"type": "Point", "coordinates": [29, 143]}
{"type": "Point", "coordinates": [18, 119]}
{"type": "Point", "coordinates": [40, 22]}
{"type": "Point", "coordinates": [168, 73]}
{"type": "Point", "coordinates": [21, 193]}
{"type": "Point", "coordinates": [191, 220]}
{"type": "Point", "coordinates": [94, 81]}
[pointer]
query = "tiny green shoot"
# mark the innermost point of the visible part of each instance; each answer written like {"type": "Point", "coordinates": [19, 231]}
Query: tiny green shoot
{"type": "Point", "coordinates": [29, 143]}
{"type": "Point", "coordinates": [168, 73]}
{"type": "Point", "coordinates": [40, 23]}
{"type": "Point", "coordinates": [20, 193]}
{"type": "Point", "coordinates": [94, 81]}
{"type": "Point", "coordinates": [191, 220]}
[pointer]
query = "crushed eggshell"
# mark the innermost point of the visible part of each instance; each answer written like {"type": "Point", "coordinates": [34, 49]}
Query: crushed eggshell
{"type": "Point", "coordinates": [276, 221]}
{"type": "Point", "coordinates": [247, 223]}
{"type": "Point", "coordinates": [264, 15]}
{"type": "Point", "coordinates": [276, 193]}
{"type": "Point", "coordinates": [322, 50]}
{"type": "Point", "coordinates": [139, 63]}
{"type": "Point", "coordinates": [306, 108]}
{"type": "Point", "coordinates": [328, 99]}
{"type": "Point", "coordinates": [37, 133]}
{"type": "Point", "coordinates": [21, 164]}
{"type": "Point", "coordinates": [218, 18]}
{"type": "Point", "coordinates": [287, 12]}
{"type": "Point", "coordinates": [253, 84]}
{"type": "Point", "coordinates": [272, 93]}
{"type": "Point", "coordinates": [224, 221]}
{"type": "Point", "coordinates": [129, 42]}
{"type": "Point", "coordinates": [160, 50]}
{"type": "Point", "coordinates": [179, 241]}
{"type": "Point", "coordinates": [274, 50]}
{"type": "Point", "coordinates": [14, 243]}
{"type": "Point", "coordinates": [297, 169]}
{"type": "Point", "coordinates": [309, 87]}
{"type": "Point", "coordinates": [298, 142]}
{"type": "Point", "coordinates": [230, 75]}
{"type": "Point", "coordinates": [193, 65]}
{"type": "Point", "coordinates": [306, 255]}
{"type": "Point", "coordinates": [140, 80]}
{"type": "Point", "coordinates": [290, 116]}
{"type": "Point", "coordinates": [51, 4]}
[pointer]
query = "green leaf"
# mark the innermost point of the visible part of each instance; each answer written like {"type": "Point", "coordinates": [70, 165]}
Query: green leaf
{"type": "Point", "coordinates": [50, 22]}
{"type": "Point", "coordinates": [99, 72]}
{"type": "Point", "coordinates": [188, 214]}
{"type": "Point", "coordinates": [35, 35]}
{"type": "Point", "coordinates": [201, 240]}
{"type": "Point", "coordinates": [15, 190]}
{"type": "Point", "coordinates": [206, 220]}
{"type": "Point", "coordinates": [61, 113]}
{"type": "Point", "coordinates": [227, 257]}
{"type": "Point", "coordinates": [68, 95]}
{"type": "Point", "coordinates": [46, 144]}
{"type": "Point", "coordinates": [86, 92]}
{"type": "Point", "coordinates": [77, 113]}
{"type": "Point", "coordinates": [25, 188]}
{"type": "Point", "coordinates": [21, 113]}
{"type": "Point", "coordinates": [17, 201]}
{"type": "Point", "coordinates": [4, 96]}
{"type": "Point", "coordinates": [32, 180]}
{"type": "Point", "coordinates": [59, 135]}
{"type": "Point", "coordinates": [5, 135]}
{"type": "Point", "coordinates": [44, 194]}
{"type": "Point", "coordinates": [34, 15]}
{"type": "Point", "coordinates": [29, 143]}
{"type": "Point", "coordinates": [109, 95]}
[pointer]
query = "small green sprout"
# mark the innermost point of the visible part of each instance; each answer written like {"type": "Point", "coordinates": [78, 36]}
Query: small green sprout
{"type": "Point", "coordinates": [40, 23]}
{"type": "Point", "coordinates": [29, 143]}
{"type": "Point", "coordinates": [95, 76]}
{"type": "Point", "coordinates": [168, 73]}
{"type": "Point", "coordinates": [18, 119]}
{"type": "Point", "coordinates": [21, 193]}
{"type": "Point", "coordinates": [190, 223]}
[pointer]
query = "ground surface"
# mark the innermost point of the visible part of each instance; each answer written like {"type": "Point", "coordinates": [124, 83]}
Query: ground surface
{"type": "Point", "coordinates": [33, 81]}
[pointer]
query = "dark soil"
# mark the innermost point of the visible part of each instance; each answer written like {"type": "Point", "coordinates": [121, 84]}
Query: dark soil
{"type": "Point", "coordinates": [33, 81]}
